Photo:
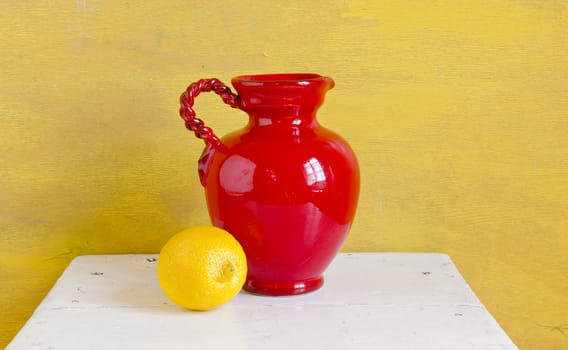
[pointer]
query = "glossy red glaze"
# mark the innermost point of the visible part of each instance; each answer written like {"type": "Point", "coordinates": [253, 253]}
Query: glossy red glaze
{"type": "Point", "coordinates": [284, 186]}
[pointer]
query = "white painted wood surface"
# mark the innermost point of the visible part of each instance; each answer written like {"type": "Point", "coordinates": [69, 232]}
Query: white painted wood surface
{"type": "Point", "coordinates": [394, 301]}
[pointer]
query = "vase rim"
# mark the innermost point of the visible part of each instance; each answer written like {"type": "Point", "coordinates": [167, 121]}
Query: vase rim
{"type": "Point", "coordinates": [279, 78]}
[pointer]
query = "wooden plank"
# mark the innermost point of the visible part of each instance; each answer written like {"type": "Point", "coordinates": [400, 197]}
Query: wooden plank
{"type": "Point", "coordinates": [396, 301]}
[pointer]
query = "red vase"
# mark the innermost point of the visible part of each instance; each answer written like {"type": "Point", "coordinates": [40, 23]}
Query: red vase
{"type": "Point", "coordinates": [284, 186]}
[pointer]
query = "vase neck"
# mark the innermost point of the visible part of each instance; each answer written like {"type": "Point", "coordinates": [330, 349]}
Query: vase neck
{"type": "Point", "coordinates": [275, 98]}
{"type": "Point", "coordinates": [295, 122]}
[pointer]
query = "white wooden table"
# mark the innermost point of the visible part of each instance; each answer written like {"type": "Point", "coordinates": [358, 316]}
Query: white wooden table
{"type": "Point", "coordinates": [390, 301]}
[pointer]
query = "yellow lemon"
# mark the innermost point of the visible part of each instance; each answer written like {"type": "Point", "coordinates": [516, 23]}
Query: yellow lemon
{"type": "Point", "coordinates": [202, 267]}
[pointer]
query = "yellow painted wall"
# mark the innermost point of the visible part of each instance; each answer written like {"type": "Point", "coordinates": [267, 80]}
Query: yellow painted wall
{"type": "Point", "coordinates": [458, 111]}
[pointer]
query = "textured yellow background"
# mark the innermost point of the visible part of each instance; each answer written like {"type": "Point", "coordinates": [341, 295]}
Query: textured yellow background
{"type": "Point", "coordinates": [458, 111]}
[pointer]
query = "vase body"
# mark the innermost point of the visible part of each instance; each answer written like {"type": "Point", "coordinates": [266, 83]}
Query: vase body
{"type": "Point", "coordinates": [284, 186]}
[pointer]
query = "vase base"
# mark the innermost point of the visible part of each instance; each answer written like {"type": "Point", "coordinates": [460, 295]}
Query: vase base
{"type": "Point", "coordinates": [281, 288]}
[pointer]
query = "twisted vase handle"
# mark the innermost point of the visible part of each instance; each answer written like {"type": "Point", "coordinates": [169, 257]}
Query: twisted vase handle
{"type": "Point", "coordinates": [187, 112]}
